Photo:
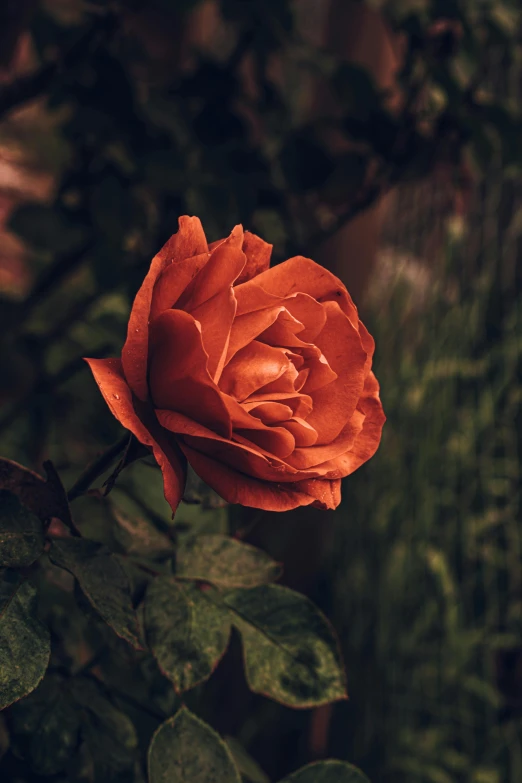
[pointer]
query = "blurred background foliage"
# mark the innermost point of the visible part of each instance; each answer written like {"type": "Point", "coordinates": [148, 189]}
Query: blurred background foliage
{"type": "Point", "coordinates": [116, 118]}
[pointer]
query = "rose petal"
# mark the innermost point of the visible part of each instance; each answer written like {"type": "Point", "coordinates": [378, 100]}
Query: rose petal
{"type": "Point", "coordinates": [327, 493]}
{"type": "Point", "coordinates": [268, 412]}
{"type": "Point", "coordinates": [251, 368]}
{"type": "Point", "coordinates": [236, 487]}
{"type": "Point", "coordinates": [367, 440]}
{"type": "Point", "coordinates": [301, 404]}
{"type": "Point", "coordinates": [108, 374]}
{"type": "Point", "coordinates": [285, 331]}
{"type": "Point", "coordinates": [297, 275]}
{"type": "Point", "coordinates": [304, 435]}
{"type": "Point", "coordinates": [257, 253]}
{"type": "Point", "coordinates": [274, 440]}
{"type": "Point", "coordinates": [220, 272]}
{"type": "Point", "coordinates": [313, 456]}
{"type": "Point", "coordinates": [285, 383]}
{"type": "Point", "coordinates": [173, 281]}
{"type": "Point", "coordinates": [249, 326]}
{"type": "Point", "coordinates": [319, 371]}
{"type": "Point", "coordinates": [216, 317]}
{"type": "Point", "coordinates": [178, 375]}
{"type": "Point", "coordinates": [189, 241]}
{"type": "Point", "coordinates": [334, 404]}
{"type": "Point", "coordinates": [242, 456]}
{"type": "Point", "coordinates": [309, 312]}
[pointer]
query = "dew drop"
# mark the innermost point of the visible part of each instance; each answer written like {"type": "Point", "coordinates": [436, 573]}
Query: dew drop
{"type": "Point", "coordinates": [136, 330]}
{"type": "Point", "coordinates": [116, 396]}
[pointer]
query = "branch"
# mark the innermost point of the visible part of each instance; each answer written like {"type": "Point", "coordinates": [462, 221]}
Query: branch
{"type": "Point", "coordinates": [97, 468]}
{"type": "Point", "coordinates": [35, 85]}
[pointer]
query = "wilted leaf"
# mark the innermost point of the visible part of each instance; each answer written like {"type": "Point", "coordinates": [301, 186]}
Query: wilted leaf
{"type": "Point", "coordinates": [21, 534]}
{"type": "Point", "coordinates": [291, 652]}
{"type": "Point", "coordinates": [25, 644]}
{"type": "Point", "coordinates": [103, 581]}
{"type": "Point", "coordinates": [225, 562]}
{"type": "Point", "coordinates": [44, 498]}
{"type": "Point", "coordinates": [186, 749]}
{"type": "Point", "coordinates": [186, 632]}
{"type": "Point", "coordinates": [327, 772]}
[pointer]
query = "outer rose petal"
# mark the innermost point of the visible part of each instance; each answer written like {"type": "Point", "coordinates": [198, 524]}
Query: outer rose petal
{"type": "Point", "coordinates": [235, 487]}
{"type": "Point", "coordinates": [220, 272]}
{"type": "Point", "coordinates": [326, 493]}
{"type": "Point", "coordinates": [108, 374]}
{"type": "Point", "coordinates": [189, 241]}
{"type": "Point", "coordinates": [173, 281]}
{"type": "Point", "coordinates": [257, 253]}
{"type": "Point", "coordinates": [334, 404]}
{"type": "Point", "coordinates": [178, 375]}
{"type": "Point", "coordinates": [242, 456]}
{"type": "Point", "coordinates": [297, 275]}
{"type": "Point", "coordinates": [309, 457]}
{"type": "Point", "coordinates": [367, 441]}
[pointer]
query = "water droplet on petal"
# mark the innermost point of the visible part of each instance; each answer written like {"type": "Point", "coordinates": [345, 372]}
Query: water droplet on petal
{"type": "Point", "coordinates": [136, 330]}
{"type": "Point", "coordinates": [116, 396]}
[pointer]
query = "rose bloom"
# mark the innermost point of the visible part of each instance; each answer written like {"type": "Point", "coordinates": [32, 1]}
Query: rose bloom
{"type": "Point", "coordinates": [259, 377]}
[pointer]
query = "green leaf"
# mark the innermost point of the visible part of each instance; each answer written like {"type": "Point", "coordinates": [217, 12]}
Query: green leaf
{"type": "Point", "coordinates": [25, 644]}
{"type": "Point", "coordinates": [196, 491]}
{"type": "Point", "coordinates": [109, 733]}
{"type": "Point", "coordinates": [45, 228]}
{"type": "Point", "coordinates": [225, 562]}
{"type": "Point", "coordinates": [103, 580]}
{"type": "Point", "coordinates": [291, 652]}
{"type": "Point", "coordinates": [248, 767]}
{"type": "Point", "coordinates": [45, 726]}
{"type": "Point", "coordinates": [187, 633]}
{"type": "Point", "coordinates": [186, 749]}
{"type": "Point", "coordinates": [21, 533]}
{"type": "Point", "coordinates": [138, 536]}
{"type": "Point", "coordinates": [327, 772]}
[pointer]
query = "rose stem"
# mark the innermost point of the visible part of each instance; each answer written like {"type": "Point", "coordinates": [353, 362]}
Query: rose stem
{"type": "Point", "coordinates": [97, 468]}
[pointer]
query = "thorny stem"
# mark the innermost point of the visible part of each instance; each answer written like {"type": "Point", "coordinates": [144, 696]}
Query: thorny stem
{"type": "Point", "coordinates": [97, 468]}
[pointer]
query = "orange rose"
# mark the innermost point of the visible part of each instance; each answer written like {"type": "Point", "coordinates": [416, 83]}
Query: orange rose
{"type": "Point", "coordinates": [261, 378]}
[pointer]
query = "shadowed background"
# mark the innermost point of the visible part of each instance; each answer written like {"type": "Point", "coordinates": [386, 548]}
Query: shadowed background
{"type": "Point", "coordinates": [383, 140]}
